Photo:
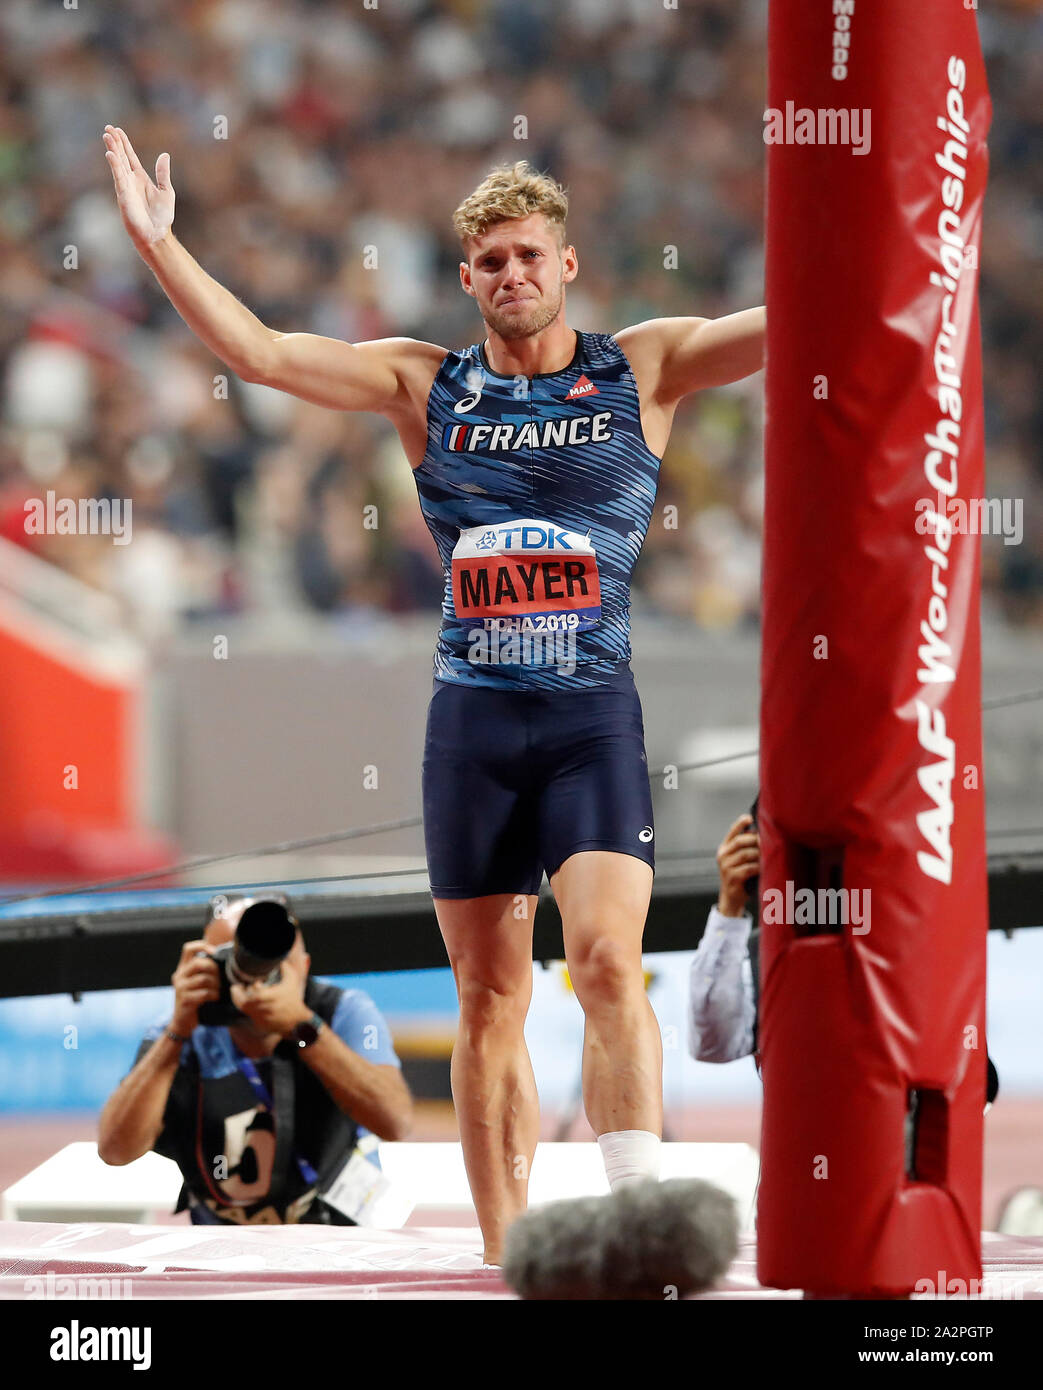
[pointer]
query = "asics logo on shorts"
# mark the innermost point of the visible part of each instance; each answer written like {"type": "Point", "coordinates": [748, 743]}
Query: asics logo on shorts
{"type": "Point", "coordinates": [646, 834]}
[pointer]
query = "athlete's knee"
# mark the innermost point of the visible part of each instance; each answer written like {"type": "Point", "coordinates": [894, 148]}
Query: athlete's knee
{"type": "Point", "coordinates": [492, 1007]}
{"type": "Point", "coordinates": [605, 969]}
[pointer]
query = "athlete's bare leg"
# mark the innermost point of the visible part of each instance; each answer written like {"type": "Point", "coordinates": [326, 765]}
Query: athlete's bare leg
{"type": "Point", "coordinates": [603, 899]}
{"type": "Point", "coordinates": [489, 941]}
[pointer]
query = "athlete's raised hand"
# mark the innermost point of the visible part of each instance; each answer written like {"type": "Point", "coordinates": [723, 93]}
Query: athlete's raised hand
{"type": "Point", "coordinates": [391, 376]}
{"type": "Point", "coordinates": [147, 208]}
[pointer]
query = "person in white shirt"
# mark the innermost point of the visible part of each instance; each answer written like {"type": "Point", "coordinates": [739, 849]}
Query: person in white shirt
{"type": "Point", "coordinates": [723, 983]}
{"type": "Point", "coordinates": [722, 998]}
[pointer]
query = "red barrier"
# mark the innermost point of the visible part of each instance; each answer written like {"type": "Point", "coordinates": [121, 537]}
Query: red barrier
{"type": "Point", "coordinates": [872, 1029]}
{"type": "Point", "coordinates": [71, 748]}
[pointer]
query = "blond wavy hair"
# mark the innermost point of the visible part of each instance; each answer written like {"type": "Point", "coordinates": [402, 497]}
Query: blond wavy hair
{"type": "Point", "coordinates": [509, 192]}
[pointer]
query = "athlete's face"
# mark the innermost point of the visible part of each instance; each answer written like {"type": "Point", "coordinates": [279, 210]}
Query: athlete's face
{"type": "Point", "coordinates": [517, 272]}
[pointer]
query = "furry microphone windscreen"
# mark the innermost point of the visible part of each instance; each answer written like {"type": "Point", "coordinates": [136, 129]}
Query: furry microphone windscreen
{"type": "Point", "coordinates": [643, 1241]}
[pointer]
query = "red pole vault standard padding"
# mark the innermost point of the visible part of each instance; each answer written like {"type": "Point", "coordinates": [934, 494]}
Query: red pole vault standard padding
{"type": "Point", "coordinates": [872, 1030]}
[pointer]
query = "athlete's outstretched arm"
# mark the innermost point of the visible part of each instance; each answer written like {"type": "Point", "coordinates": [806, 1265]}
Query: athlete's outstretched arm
{"type": "Point", "coordinates": [326, 371]}
{"type": "Point", "coordinates": [683, 355]}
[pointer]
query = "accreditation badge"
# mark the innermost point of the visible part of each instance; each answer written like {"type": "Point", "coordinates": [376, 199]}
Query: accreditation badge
{"type": "Point", "coordinates": [361, 1192]}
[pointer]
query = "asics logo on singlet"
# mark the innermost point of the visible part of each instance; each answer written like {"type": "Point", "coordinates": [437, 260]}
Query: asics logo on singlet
{"type": "Point", "coordinates": [645, 835]}
{"type": "Point", "coordinates": [474, 381]}
{"type": "Point", "coordinates": [564, 431]}
{"type": "Point", "coordinates": [468, 402]}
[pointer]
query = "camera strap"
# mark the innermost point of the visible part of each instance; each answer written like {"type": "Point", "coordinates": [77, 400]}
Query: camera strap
{"type": "Point", "coordinates": [282, 1108]}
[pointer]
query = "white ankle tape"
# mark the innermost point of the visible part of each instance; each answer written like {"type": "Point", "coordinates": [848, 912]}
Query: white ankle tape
{"type": "Point", "coordinates": [631, 1155]}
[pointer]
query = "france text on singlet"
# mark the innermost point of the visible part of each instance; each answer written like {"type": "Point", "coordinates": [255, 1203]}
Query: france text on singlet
{"type": "Point", "coordinates": [538, 492]}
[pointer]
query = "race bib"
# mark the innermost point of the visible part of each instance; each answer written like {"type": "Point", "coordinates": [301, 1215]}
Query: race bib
{"type": "Point", "coordinates": [526, 576]}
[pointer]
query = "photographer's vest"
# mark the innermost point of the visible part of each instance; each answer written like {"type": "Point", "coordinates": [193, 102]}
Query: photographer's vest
{"type": "Point", "coordinates": [266, 1138]}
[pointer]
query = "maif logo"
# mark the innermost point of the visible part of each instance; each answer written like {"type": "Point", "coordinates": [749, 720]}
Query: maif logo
{"type": "Point", "coordinates": [583, 387]}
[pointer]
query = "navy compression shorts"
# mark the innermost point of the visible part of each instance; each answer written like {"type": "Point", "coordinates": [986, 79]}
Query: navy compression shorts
{"type": "Point", "coordinates": [516, 781]}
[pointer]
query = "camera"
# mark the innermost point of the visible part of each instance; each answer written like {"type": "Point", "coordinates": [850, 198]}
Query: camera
{"type": "Point", "coordinates": [263, 939]}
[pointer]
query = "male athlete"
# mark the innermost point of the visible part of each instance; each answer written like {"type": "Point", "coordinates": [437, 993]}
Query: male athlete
{"type": "Point", "coordinates": [535, 455]}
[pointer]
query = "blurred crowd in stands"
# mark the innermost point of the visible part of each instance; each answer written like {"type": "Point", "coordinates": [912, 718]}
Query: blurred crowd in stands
{"type": "Point", "coordinates": [303, 134]}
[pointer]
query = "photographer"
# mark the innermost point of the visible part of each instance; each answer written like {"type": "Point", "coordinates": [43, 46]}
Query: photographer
{"type": "Point", "coordinates": [272, 1113]}
{"type": "Point", "coordinates": [724, 982]}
